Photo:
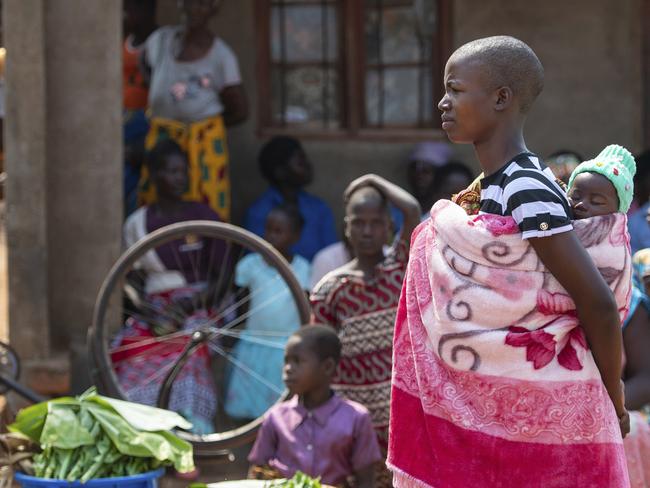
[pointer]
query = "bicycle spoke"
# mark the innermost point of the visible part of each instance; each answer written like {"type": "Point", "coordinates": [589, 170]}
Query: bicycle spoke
{"type": "Point", "coordinates": [173, 310]}
{"type": "Point", "coordinates": [162, 372]}
{"type": "Point", "coordinates": [250, 312]}
{"type": "Point", "coordinates": [249, 297]}
{"type": "Point", "coordinates": [151, 340]}
{"type": "Point", "coordinates": [245, 368]}
{"type": "Point", "coordinates": [215, 318]}
{"type": "Point", "coordinates": [262, 333]}
{"type": "Point", "coordinates": [222, 288]}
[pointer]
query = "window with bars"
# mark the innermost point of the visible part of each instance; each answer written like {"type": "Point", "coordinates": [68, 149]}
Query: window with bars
{"type": "Point", "coordinates": [351, 67]}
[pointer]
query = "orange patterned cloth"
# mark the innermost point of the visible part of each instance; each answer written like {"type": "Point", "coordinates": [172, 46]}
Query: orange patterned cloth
{"type": "Point", "coordinates": [134, 89]}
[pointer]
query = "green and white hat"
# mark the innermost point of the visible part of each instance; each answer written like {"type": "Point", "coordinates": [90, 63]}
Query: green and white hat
{"type": "Point", "coordinates": [617, 165]}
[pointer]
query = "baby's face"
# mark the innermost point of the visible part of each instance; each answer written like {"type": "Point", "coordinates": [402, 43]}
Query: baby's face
{"type": "Point", "coordinates": [591, 195]}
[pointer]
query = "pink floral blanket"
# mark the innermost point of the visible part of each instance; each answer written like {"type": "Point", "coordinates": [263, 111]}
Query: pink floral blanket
{"type": "Point", "coordinates": [493, 381]}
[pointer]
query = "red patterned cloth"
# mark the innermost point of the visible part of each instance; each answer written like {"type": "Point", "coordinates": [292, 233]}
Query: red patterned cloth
{"type": "Point", "coordinates": [363, 313]}
{"type": "Point", "coordinates": [493, 381]}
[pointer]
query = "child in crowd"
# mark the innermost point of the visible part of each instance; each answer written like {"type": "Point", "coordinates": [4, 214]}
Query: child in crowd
{"type": "Point", "coordinates": [360, 299]}
{"type": "Point", "coordinates": [316, 431]}
{"type": "Point", "coordinates": [452, 353]}
{"type": "Point", "coordinates": [271, 315]}
{"type": "Point", "coordinates": [285, 166]}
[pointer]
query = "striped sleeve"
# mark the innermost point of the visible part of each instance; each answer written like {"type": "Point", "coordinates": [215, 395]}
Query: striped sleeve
{"type": "Point", "coordinates": [536, 203]}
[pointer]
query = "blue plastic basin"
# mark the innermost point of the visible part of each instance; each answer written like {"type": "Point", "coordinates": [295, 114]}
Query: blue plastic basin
{"type": "Point", "coordinates": [145, 480]}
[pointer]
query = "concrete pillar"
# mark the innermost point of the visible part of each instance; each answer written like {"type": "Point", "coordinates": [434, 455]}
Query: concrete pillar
{"type": "Point", "coordinates": [84, 139]}
{"type": "Point", "coordinates": [64, 165]}
{"type": "Point", "coordinates": [26, 191]}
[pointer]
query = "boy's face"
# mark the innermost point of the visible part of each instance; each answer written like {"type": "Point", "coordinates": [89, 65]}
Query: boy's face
{"type": "Point", "coordinates": [591, 195]}
{"type": "Point", "coordinates": [367, 227]}
{"type": "Point", "coordinates": [303, 370]}
{"type": "Point", "coordinates": [279, 231]}
{"type": "Point", "coordinates": [468, 106]}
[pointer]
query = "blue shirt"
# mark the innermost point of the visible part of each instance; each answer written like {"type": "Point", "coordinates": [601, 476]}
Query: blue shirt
{"type": "Point", "coordinates": [319, 230]}
{"type": "Point", "coordinates": [639, 230]}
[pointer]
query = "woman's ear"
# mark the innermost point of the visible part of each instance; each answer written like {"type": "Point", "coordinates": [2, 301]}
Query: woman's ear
{"type": "Point", "coordinates": [504, 97]}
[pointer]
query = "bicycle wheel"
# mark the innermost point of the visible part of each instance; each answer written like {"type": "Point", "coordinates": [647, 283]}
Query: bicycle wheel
{"type": "Point", "coordinates": [143, 327]}
{"type": "Point", "coordinates": [9, 365]}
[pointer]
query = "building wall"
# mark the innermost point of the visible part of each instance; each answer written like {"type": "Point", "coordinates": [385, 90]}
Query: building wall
{"type": "Point", "coordinates": [591, 51]}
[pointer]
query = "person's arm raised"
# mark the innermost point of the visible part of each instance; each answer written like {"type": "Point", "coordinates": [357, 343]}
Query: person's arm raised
{"type": "Point", "coordinates": [566, 259]}
{"type": "Point", "coordinates": [403, 200]}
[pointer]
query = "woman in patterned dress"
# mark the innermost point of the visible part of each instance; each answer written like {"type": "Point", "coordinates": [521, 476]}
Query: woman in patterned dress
{"type": "Point", "coordinates": [360, 299]}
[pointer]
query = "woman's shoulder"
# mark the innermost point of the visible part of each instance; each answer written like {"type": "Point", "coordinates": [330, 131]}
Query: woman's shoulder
{"type": "Point", "coordinates": [161, 35]}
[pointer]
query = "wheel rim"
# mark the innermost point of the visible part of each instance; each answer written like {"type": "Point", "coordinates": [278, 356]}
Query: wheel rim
{"type": "Point", "coordinates": [103, 369]}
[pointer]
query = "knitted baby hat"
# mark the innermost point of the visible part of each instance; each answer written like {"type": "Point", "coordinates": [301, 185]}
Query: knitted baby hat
{"type": "Point", "coordinates": [617, 165]}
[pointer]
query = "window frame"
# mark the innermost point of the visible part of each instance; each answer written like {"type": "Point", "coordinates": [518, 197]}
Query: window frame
{"type": "Point", "coordinates": [352, 52]}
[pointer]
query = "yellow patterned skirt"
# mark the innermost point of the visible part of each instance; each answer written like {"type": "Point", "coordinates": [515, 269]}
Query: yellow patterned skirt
{"type": "Point", "coordinates": [207, 153]}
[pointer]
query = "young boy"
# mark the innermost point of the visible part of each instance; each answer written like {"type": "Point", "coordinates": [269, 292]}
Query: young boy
{"type": "Point", "coordinates": [316, 431]}
{"type": "Point", "coordinates": [490, 86]}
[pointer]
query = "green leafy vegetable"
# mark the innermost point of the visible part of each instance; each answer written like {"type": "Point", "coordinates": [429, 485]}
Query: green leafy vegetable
{"type": "Point", "coordinates": [299, 480]}
{"type": "Point", "coordinates": [94, 436]}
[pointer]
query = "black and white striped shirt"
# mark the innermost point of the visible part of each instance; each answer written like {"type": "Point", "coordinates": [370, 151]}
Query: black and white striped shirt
{"type": "Point", "coordinates": [526, 189]}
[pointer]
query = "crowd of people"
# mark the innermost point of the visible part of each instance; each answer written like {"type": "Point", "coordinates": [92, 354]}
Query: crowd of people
{"type": "Point", "coordinates": [380, 284]}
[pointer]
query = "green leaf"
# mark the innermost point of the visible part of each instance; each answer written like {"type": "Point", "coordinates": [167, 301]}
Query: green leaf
{"type": "Point", "coordinates": [30, 420]}
{"type": "Point", "coordinates": [144, 417]}
{"type": "Point", "coordinates": [63, 429]}
{"type": "Point", "coordinates": [162, 445]}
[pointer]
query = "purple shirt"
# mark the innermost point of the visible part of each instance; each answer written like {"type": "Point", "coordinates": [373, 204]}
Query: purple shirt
{"type": "Point", "coordinates": [332, 441]}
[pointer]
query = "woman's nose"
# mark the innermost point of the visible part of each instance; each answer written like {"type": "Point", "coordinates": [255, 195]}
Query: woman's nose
{"type": "Point", "coordinates": [443, 104]}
